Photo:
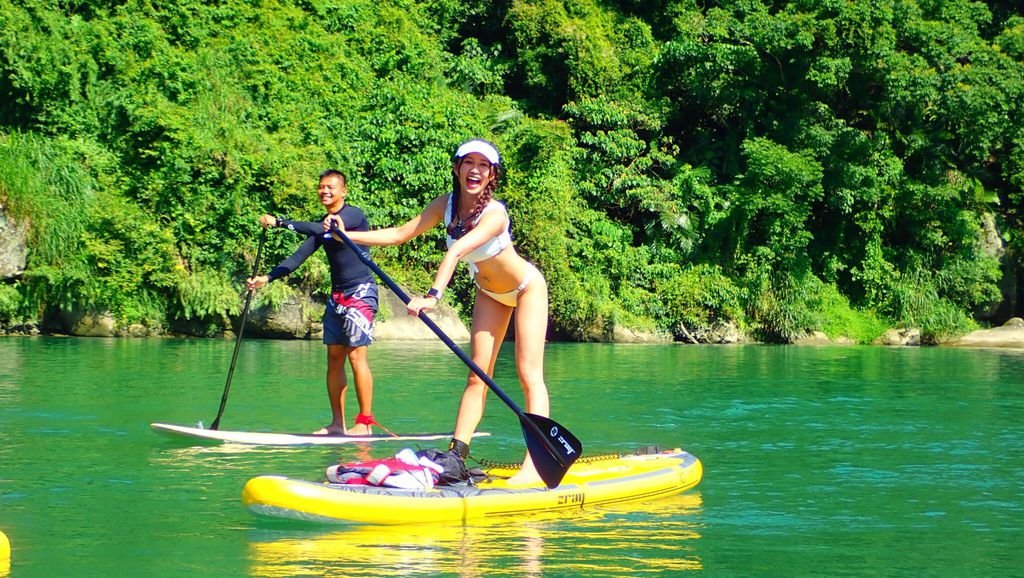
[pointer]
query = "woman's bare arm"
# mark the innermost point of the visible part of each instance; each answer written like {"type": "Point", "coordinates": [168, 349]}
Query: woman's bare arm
{"type": "Point", "coordinates": [414, 227]}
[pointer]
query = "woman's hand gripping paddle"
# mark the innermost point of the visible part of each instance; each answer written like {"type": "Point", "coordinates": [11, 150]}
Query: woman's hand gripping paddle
{"type": "Point", "coordinates": [241, 329]}
{"type": "Point", "coordinates": [552, 447]}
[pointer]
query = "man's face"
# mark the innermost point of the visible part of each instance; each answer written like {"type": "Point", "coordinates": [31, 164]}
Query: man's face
{"type": "Point", "coordinates": [332, 192]}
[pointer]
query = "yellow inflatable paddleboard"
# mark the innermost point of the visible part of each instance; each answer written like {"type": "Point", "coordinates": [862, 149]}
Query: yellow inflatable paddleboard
{"type": "Point", "coordinates": [589, 482]}
{"type": "Point", "coordinates": [5, 555]}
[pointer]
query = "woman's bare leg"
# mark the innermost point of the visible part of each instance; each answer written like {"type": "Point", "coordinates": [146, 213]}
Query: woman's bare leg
{"type": "Point", "coordinates": [490, 322]}
{"type": "Point", "coordinates": [531, 336]}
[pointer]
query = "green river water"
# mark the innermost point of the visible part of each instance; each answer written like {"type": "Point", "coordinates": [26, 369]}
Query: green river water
{"type": "Point", "coordinates": [833, 461]}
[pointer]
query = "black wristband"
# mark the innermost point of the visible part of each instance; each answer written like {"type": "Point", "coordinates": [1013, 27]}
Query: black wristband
{"type": "Point", "coordinates": [434, 293]}
{"type": "Point", "coordinates": [279, 222]}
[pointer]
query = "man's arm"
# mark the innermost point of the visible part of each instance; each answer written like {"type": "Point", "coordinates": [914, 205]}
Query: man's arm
{"type": "Point", "coordinates": [306, 228]}
{"type": "Point", "coordinates": [287, 266]}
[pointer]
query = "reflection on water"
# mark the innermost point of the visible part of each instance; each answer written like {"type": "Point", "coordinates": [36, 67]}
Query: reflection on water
{"type": "Point", "coordinates": [631, 539]}
{"type": "Point", "coordinates": [11, 379]}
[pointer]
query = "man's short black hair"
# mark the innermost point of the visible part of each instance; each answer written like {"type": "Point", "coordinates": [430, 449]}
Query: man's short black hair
{"type": "Point", "coordinates": [334, 172]}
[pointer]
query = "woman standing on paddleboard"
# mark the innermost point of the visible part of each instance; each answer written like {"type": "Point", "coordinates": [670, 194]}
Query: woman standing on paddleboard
{"type": "Point", "coordinates": [478, 233]}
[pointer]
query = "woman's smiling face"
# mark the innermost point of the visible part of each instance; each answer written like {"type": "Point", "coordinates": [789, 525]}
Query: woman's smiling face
{"type": "Point", "coordinates": [474, 172]}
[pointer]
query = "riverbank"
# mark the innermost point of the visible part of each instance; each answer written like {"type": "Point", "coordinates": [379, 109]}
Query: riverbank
{"type": "Point", "coordinates": [1010, 334]}
{"type": "Point", "coordinates": [300, 319]}
{"type": "Point", "coordinates": [403, 328]}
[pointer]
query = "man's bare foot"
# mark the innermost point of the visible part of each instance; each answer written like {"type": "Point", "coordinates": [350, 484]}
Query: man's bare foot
{"type": "Point", "coordinates": [330, 430]}
{"type": "Point", "coordinates": [360, 429]}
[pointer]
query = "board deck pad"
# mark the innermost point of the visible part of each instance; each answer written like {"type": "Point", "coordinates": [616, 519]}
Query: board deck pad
{"type": "Point", "coordinates": [289, 439]}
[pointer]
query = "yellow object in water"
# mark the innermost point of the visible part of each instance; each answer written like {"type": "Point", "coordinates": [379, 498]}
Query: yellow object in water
{"type": "Point", "coordinates": [592, 482]}
{"type": "Point", "coordinates": [5, 547]}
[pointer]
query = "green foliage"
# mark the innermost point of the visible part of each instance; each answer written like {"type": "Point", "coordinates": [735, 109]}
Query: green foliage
{"type": "Point", "coordinates": [1011, 38]}
{"type": "Point", "coordinates": [44, 185]}
{"type": "Point", "coordinates": [273, 295]}
{"type": "Point", "coordinates": [477, 69]}
{"type": "Point", "coordinates": [43, 181]}
{"type": "Point", "coordinates": [11, 304]}
{"type": "Point", "coordinates": [786, 166]}
{"type": "Point", "coordinates": [914, 302]}
{"type": "Point", "coordinates": [696, 297]}
{"type": "Point", "coordinates": [783, 308]}
{"type": "Point", "coordinates": [206, 294]}
{"type": "Point", "coordinates": [778, 191]}
{"type": "Point", "coordinates": [567, 51]}
{"type": "Point", "coordinates": [838, 319]}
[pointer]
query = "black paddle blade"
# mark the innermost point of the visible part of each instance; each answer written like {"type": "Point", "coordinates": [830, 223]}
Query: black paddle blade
{"type": "Point", "coordinates": [552, 447]}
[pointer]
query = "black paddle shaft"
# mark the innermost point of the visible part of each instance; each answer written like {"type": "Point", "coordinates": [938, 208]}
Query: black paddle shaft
{"type": "Point", "coordinates": [241, 329]}
{"type": "Point", "coordinates": [567, 448]}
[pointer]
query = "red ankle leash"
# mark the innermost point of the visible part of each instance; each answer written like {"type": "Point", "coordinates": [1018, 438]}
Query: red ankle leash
{"type": "Point", "coordinates": [368, 420]}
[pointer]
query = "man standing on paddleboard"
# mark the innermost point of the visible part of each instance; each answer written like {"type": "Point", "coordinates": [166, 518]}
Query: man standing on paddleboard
{"type": "Point", "coordinates": [348, 319]}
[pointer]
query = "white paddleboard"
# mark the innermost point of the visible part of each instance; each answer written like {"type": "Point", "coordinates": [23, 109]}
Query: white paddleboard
{"type": "Point", "coordinates": [289, 439]}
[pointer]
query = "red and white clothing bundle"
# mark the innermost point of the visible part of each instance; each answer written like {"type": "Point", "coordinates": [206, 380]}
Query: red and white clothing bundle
{"type": "Point", "coordinates": [406, 470]}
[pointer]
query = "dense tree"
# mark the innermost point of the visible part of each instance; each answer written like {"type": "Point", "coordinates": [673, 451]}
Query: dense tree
{"type": "Point", "coordinates": [671, 165]}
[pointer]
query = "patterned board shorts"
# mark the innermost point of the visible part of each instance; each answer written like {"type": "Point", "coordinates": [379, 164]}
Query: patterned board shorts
{"type": "Point", "coordinates": [348, 319]}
